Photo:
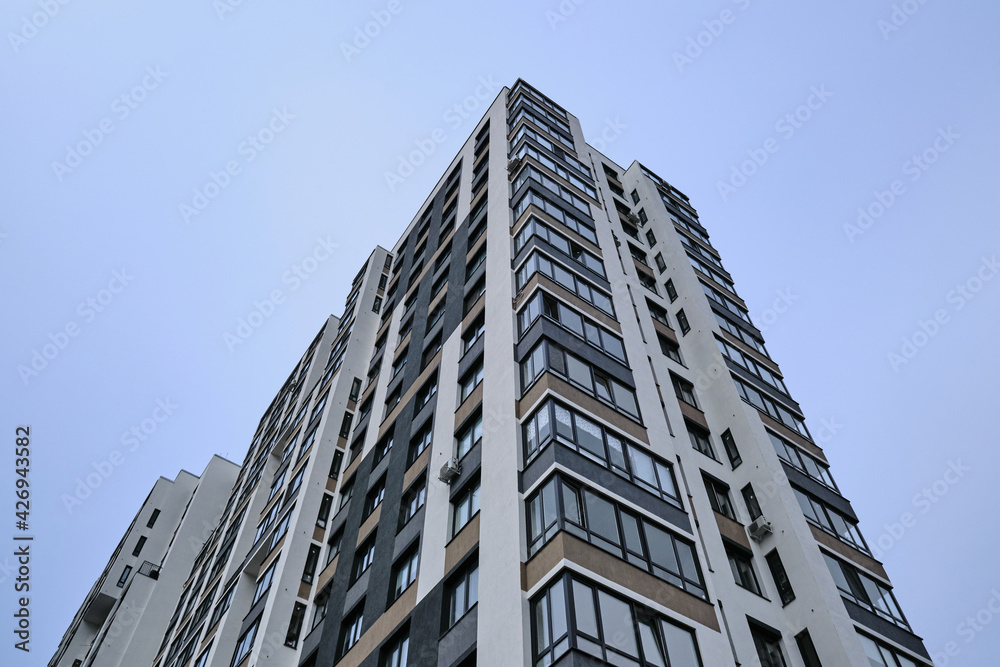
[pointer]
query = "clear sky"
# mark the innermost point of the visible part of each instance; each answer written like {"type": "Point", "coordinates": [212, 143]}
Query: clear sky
{"type": "Point", "coordinates": [116, 116]}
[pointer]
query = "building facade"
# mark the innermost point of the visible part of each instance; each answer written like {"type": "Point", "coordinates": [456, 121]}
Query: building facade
{"type": "Point", "coordinates": [544, 431]}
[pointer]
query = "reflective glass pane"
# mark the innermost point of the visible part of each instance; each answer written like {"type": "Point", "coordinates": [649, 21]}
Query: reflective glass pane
{"type": "Point", "coordinates": [616, 619]}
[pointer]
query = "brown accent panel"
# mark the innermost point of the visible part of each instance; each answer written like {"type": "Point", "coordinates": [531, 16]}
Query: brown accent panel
{"type": "Point", "coordinates": [554, 224]}
{"type": "Point", "coordinates": [370, 389]}
{"type": "Point", "coordinates": [467, 320]}
{"type": "Point", "coordinates": [331, 484]}
{"type": "Point", "coordinates": [304, 590]}
{"type": "Point", "coordinates": [752, 353]}
{"type": "Point", "coordinates": [380, 629]}
{"type": "Point", "coordinates": [789, 434]}
{"type": "Point", "coordinates": [404, 400]}
{"type": "Point", "coordinates": [569, 297]}
{"type": "Point", "coordinates": [438, 298]}
{"type": "Point", "coordinates": [732, 530]}
{"type": "Point", "coordinates": [693, 413]}
{"type": "Point", "coordinates": [416, 468]}
{"type": "Point", "coordinates": [401, 345]}
{"type": "Point", "coordinates": [462, 543]}
{"type": "Point", "coordinates": [318, 534]}
{"type": "Point", "coordinates": [725, 289]}
{"type": "Point", "coordinates": [352, 466]}
{"type": "Point", "coordinates": [480, 242]}
{"type": "Point", "coordinates": [368, 525]}
{"type": "Point", "coordinates": [588, 403]}
{"type": "Point", "coordinates": [469, 405]}
{"type": "Point", "coordinates": [382, 327]}
{"type": "Point", "coordinates": [643, 269]}
{"type": "Point", "coordinates": [341, 442]}
{"type": "Point", "coordinates": [327, 574]}
{"type": "Point", "coordinates": [848, 552]}
{"type": "Point", "coordinates": [667, 332]}
{"type": "Point", "coordinates": [565, 546]}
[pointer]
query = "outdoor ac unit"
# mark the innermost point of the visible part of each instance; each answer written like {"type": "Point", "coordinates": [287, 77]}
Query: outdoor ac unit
{"type": "Point", "coordinates": [450, 471]}
{"type": "Point", "coordinates": [634, 219]}
{"type": "Point", "coordinates": [759, 529]}
{"type": "Point", "coordinates": [513, 164]}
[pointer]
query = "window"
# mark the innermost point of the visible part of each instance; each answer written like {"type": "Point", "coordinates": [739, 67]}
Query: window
{"type": "Point", "coordinates": [682, 322]}
{"type": "Point", "coordinates": [539, 263]}
{"type": "Point", "coordinates": [612, 629]}
{"type": "Point", "coordinates": [363, 557]}
{"type": "Point", "coordinates": [377, 304]}
{"type": "Point", "coordinates": [811, 659]}
{"type": "Point", "coordinates": [474, 263]}
{"type": "Point", "coordinates": [470, 436]}
{"type": "Point", "coordinates": [879, 654]}
{"type": "Point", "coordinates": [830, 520]}
{"type": "Point", "coordinates": [152, 518]}
{"type": "Point", "coordinates": [122, 579]}
{"type": "Point", "coordinates": [718, 497]}
{"type": "Point", "coordinates": [393, 399]}
{"type": "Point", "coordinates": [374, 497]}
{"type": "Point", "coordinates": [774, 564]}
{"type": "Point", "coordinates": [425, 393]}
{"type": "Point", "coordinates": [382, 448]}
{"type": "Point", "coordinates": [466, 506]}
{"type": "Point", "coordinates": [741, 563]}
{"type": "Point", "coordinates": [473, 333]}
{"type": "Point", "coordinates": [346, 491]}
{"type": "Point", "coordinates": [669, 348]}
{"type": "Point", "coordinates": [245, 644]}
{"type": "Point", "coordinates": [338, 460]}
{"type": "Point", "coordinates": [684, 390]}
{"type": "Point", "coordinates": [264, 583]}
{"type": "Point", "coordinates": [729, 444]}
{"type": "Point", "coordinates": [404, 572]}
{"type": "Point", "coordinates": [355, 389]}
{"type": "Point", "coordinates": [773, 409]}
{"type": "Point", "coordinates": [413, 500]}
{"type": "Point", "coordinates": [463, 593]}
{"type": "Point", "coordinates": [200, 662]}
{"type": "Point", "coordinates": [276, 485]}
{"type": "Point", "coordinates": [700, 439]}
{"type": "Point", "coordinates": [544, 304]}
{"type": "Point", "coordinates": [334, 542]}
{"type": "Point", "coordinates": [350, 629]}
{"type": "Point", "coordinates": [419, 443]}
{"type": "Point", "coordinates": [650, 238]}
{"type": "Point", "coordinates": [324, 510]}
{"type": "Point", "coordinates": [318, 408]}
{"type": "Point", "coordinates": [661, 265]}
{"type": "Point", "coordinates": [138, 545]}
{"type": "Point", "coordinates": [312, 560]}
{"type": "Point", "coordinates": [562, 504]}
{"type": "Point", "coordinates": [658, 313]}
{"type": "Point", "coordinates": [635, 197]}
{"type": "Point", "coordinates": [395, 652]}
{"type": "Point", "coordinates": [802, 461]}
{"type": "Point", "coordinates": [399, 363]}
{"type": "Point", "coordinates": [536, 229]}
{"type": "Point", "coordinates": [671, 290]}
{"type": "Point", "coordinates": [306, 443]}
{"type": "Point", "coordinates": [296, 482]}
{"type": "Point", "coordinates": [750, 498]}
{"type": "Point", "coordinates": [865, 591]}
{"type": "Point", "coordinates": [768, 646]}
{"type": "Point", "coordinates": [470, 381]}
{"type": "Point", "coordinates": [295, 623]}
{"type": "Point", "coordinates": [554, 421]}
{"type": "Point", "coordinates": [223, 605]}
{"type": "Point", "coordinates": [472, 295]}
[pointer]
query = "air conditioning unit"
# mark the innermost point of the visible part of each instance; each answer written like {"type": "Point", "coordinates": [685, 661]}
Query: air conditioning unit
{"type": "Point", "coordinates": [760, 528]}
{"type": "Point", "coordinates": [634, 219]}
{"type": "Point", "coordinates": [513, 164]}
{"type": "Point", "coordinates": [450, 471]}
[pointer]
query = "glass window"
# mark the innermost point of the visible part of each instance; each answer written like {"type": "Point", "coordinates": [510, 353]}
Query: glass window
{"type": "Point", "coordinates": [463, 593]}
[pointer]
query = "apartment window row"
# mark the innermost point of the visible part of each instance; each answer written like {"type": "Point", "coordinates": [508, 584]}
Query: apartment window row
{"type": "Point", "coordinates": [669, 348]}
{"type": "Point", "coordinates": [773, 409]}
{"type": "Point", "coordinates": [712, 273]}
{"type": "Point", "coordinates": [739, 333]}
{"type": "Point", "coordinates": [557, 119]}
{"type": "Point", "coordinates": [727, 303]}
{"type": "Point", "coordinates": [554, 421]}
{"type": "Point", "coordinates": [749, 363]}
{"type": "Point", "coordinates": [469, 436]}
{"type": "Point", "coordinates": [539, 263]}
{"type": "Point", "coordinates": [521, 88]}
{"type": "Point", "coordinates": [531, 197]}
{"type": "Point", "coordinates": [419, 442]}
{"type": "Point", "coordinates": [574, 613]}
{"type": "Point", "coordinates": [865, 591]}
{"type": "Point", "coordinates": [802, 461]}
{"type": "Point", "coordinates": [534, 227]}
{"type": "Point", "coordinates": [549, 128]}
{"type": "Point", "coordinates": [563, 505]}
{"type": "Point", "coordinates": [544, 304]}
{"type": "Point", "coordinates": [830, 520]}
{"type": "Point", "coordinates": [882, 655]}
{"type": "Point", "coordinates": [682, 221]}
{"type": "Point", "coordinates": [473, 333]}
{"type": "Point", "coordinates": [553, 186]}
{"type": "Point", "coordinates": [462, 592]}
{"type": "Point", "coordinates": [465, 506]}
{"type": "Point", "coordinates": [547, 356]}
{"type": "Point", "coordinates": [585, 183]}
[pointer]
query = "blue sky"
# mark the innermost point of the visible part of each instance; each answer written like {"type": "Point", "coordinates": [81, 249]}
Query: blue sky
{"type": "Point", "coordinates": [843, 156]}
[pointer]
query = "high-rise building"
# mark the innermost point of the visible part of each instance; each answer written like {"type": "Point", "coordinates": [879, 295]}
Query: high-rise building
{"type": "Point", "coordinates": [544, 430]}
